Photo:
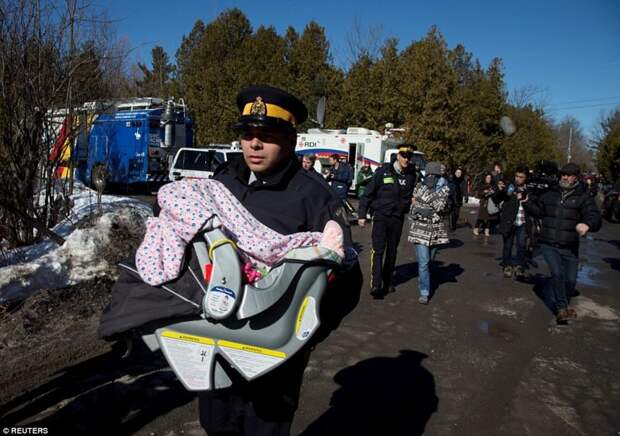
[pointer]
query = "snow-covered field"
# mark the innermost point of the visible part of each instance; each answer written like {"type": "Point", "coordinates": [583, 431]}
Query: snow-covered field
{"type": "Point", "coordinates": [26, 270]}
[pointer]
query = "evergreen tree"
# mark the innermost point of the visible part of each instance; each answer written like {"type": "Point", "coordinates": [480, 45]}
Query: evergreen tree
{"type": "Point", "coordinates": [265, 61]}
{"type": "Point", "coordinates": [310, 72]}
{"type": "Point", "coordinates": [184, 54]}
{"type": "Point", "coordinates": [87, 82]}
{"type": "Point", "coordinates": [608, 146]}
{"type": "Point", "coordinates": [212, 77]}
{"type": "Point", "coordinates": [429, 85]}
{"type": "Point", "coordinates": [482, 103]}
{"type": "Point", "coordinates": [359, 103]}
{"type": "Point", "coordinates": [157, 81]}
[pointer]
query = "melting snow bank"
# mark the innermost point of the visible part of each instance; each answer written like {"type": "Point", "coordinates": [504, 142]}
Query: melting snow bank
{"type": "Point", "coordinates": [48, 266]}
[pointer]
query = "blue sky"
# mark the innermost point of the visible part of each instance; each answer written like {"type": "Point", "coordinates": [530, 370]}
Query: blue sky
{"type": "Point", "coordinates": [567, 51]}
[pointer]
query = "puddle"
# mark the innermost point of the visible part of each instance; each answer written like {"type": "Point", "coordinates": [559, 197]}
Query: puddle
{"type": "Point", "coordinates": [586, 275]}
{"type": "Point", "coordinates": [496, 330]}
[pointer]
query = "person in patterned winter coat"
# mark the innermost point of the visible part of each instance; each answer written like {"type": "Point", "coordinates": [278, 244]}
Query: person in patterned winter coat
{"type": "Point", "coordinates": [429, 225]}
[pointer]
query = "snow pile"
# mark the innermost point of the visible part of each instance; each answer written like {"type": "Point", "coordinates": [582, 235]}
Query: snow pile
{"type": "Point", "coordinates": [48, 266]}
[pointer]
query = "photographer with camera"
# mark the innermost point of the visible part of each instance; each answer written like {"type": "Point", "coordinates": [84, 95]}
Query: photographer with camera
{"type": "Point", "coordinates": [513, 222]}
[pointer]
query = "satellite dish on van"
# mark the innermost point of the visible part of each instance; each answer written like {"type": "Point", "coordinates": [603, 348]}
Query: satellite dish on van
{"type": "Point", "coordinates": [320, 111]}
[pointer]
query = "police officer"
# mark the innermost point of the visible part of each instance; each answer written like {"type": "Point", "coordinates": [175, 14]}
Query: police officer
{"type": "Point", "coordinates": [272, 185]}
{"type": "Point", "coordinates": [388, 195]}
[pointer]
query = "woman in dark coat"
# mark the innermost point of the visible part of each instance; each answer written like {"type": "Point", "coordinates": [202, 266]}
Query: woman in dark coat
{"type": "Point", "coordinates": [484, 193]}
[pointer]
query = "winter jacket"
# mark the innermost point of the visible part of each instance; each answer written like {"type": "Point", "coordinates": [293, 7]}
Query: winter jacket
{"type": "Point", "coordinates": [561, 210]}
{"type": "Point", "coordinates": [428, 223]}
{"type": "Point", "coordinates": [484, 193]}
{"type": "Point", "coordinates": [458, 188]}
{"type": "Point", "coordinates": [510, 208]}
{"type": "Point", "coordinates": [388, 194]}
{"type": "Point", "coordinates": [341, 179]}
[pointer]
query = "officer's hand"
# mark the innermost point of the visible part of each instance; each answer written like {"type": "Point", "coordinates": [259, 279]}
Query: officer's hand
{"type": "Point", "coordinates": [582, 229]}
{"type": "Point", "coordinates": [361, 222]}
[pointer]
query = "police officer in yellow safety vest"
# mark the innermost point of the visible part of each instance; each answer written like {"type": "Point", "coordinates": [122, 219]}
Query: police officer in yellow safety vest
{"type": "Point", "coordinates": [388, 198]}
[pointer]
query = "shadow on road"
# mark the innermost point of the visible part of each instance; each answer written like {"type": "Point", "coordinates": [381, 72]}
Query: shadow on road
{"type": "Point", "coordinates": [440, 273]}
{"type": "Point", "coordinates": [405, 272]}
{"type": "Point", "coordinates": [380, 396]}
{"type": "Point", "coordinates": [539, 283]}
{"type": "Point", "coordinates": [614, 242]}
{"type": "Point", "coordinates": [613, 262]}
{"type": "Point", "coordinates": [454, 243]}
{"type": "Point", "coordinates": [123, 399]}
{"type": "Point", "coordinates": [539, 287]}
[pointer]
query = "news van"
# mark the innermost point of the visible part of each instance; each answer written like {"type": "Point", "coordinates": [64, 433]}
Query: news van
{"type": "Point", "coordinates": [358, 145]}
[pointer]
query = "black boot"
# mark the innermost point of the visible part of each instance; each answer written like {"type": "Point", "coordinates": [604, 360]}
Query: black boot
{"type": "Point", "coordinates": [377, 293]}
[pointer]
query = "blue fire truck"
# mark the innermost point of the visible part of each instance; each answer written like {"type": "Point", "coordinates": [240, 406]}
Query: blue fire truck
{"type": "Point", "coordinates": [132, 142]}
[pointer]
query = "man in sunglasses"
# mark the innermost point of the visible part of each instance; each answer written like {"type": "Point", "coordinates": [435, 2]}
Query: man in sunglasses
{"type": "Point", "coordinates": [272, 185]}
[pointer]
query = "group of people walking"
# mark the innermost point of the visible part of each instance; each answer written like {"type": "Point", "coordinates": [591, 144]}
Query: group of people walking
{"type": "Point", "coordinates": [289, 197]}
{"type": "Point", "coordinates": [552, 219]}
{"type": "Point", "coordinates": [395, 191]}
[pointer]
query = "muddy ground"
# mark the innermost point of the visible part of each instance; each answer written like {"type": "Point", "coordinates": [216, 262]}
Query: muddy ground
{"type": "Point", "coordinates": [485, 357]}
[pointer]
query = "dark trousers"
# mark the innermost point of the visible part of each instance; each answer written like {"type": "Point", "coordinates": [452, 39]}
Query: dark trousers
{"type": "Point", "coordinates": [562, 264]}
{"type": "Point", "coordinates": [517, 236]}
{"type": "Point", "coordinates": [264, 407]}
{"type": "Point", "coordinates": [483, 224]}
{"type": "Point", "coordinates": [223, 414]}
{"type": "Point", "coordinates": [454, 217]}
{"type": "Point", "coordinates": [386, 233]}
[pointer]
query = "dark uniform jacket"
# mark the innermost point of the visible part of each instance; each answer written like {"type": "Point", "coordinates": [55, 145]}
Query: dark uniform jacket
{"type": "Point", "coordinates": [388, 193]}
{"type": "Point", "coordinates": [287, 201]}
{"type": "Point", "coordinates": [561, 210]}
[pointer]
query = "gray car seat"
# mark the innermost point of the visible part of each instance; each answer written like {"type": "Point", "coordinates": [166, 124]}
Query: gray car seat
{"type": "Point", "coordinates": [249, 328]}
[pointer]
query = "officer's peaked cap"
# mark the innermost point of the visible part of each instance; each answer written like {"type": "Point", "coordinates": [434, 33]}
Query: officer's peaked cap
{"type": "Point", "coordinates": [266, 106]}
{"type": "Point", "coordinates": [406, 150]}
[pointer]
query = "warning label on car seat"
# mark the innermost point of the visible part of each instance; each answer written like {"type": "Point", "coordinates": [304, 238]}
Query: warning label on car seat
{"type": "Point", "coordinates": [251, 360]}
{"type": "Point", "coordinates": [190, 357]}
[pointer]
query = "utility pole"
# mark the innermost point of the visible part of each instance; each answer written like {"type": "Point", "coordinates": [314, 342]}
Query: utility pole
{"type": "Point", "coordinates": [570, 140]}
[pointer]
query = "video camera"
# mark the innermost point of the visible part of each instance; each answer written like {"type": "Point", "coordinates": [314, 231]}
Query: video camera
{"type": "Point", "coordinates": [544, 175]}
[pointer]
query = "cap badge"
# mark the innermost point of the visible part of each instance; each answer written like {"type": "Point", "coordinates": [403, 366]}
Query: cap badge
{"type": "Point", "coordinates": [258, 107]}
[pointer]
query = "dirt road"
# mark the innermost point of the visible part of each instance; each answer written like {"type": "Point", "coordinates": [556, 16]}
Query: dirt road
{"type": "Point", "coordinates": [484, 358]}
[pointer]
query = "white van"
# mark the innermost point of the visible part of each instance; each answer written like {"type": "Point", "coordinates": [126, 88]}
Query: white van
{"type": "Point", "coordinates": [359, 145]}
{"type": "Point", "coordinates": [201, 163]}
